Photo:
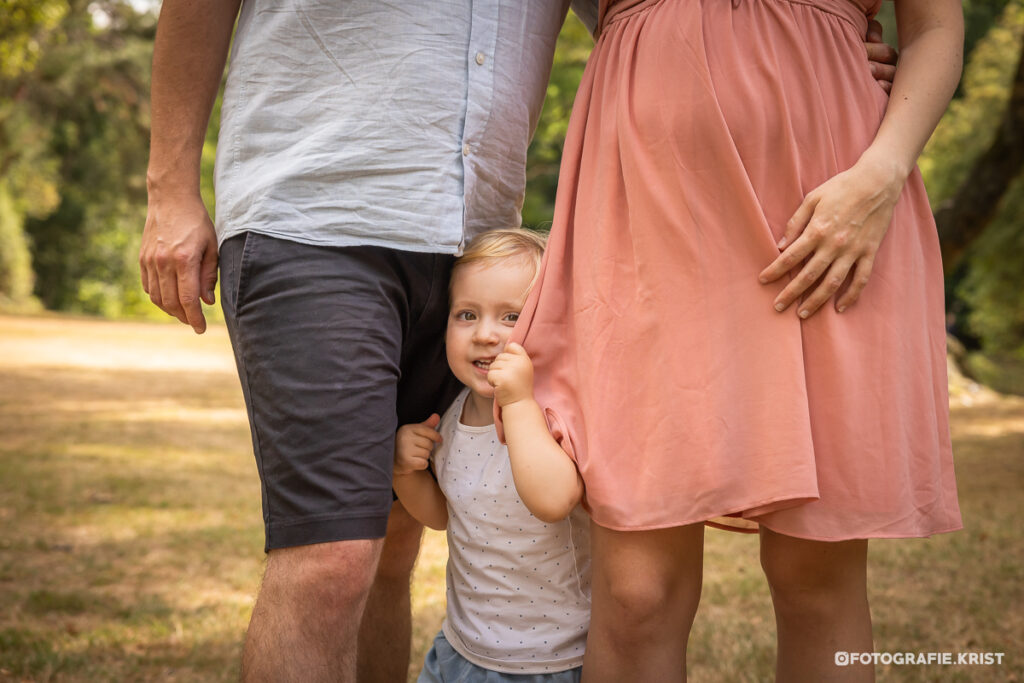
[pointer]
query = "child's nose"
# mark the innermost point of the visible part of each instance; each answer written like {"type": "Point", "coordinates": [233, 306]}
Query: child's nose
{"type": "Point", "coordinates": [486, 333]}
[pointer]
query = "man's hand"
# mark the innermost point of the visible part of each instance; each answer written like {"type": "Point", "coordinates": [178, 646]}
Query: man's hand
{"type": "Point", "coordinates": [414, 444]}
{"type": "Point", "coordinates": [178, 257]}
{"type": "Point", "coordinates": [511, 375]}
{"type": "Point", "coordinates": [882, 57]}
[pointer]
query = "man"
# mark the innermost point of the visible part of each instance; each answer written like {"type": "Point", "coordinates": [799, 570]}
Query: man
{"type": "Point", "coordinates": [361, 144]}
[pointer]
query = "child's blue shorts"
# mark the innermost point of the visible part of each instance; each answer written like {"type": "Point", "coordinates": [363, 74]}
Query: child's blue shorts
{"type": "Point", "coordinates": [444, 665]}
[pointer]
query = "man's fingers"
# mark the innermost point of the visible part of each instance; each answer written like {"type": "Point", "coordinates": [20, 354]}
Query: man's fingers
{"type": "Point", "coordinates": [169, 294]}
{"type": "Point", "coordinates": [188, 296]}
{"type": "Point", "coordinates": [874, 31]}
{"type": "Point", "coordinates": [144, 275]}
{"type": "Point", "coordinates": [152, 287]}
{"type": "Point", "coordinates": [208, 274]}
{"type": "Point", "coordinates": [883, 73]}
{"type": "Point", "coordinates": [882, 54]}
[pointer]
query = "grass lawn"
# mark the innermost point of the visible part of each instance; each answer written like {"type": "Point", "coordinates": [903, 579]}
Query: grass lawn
{"type": "Point", "coordinates": [131, 537]}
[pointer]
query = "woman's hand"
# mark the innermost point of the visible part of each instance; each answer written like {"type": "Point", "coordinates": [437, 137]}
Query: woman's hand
{"type": "Point", "coordinates": [836, 233]}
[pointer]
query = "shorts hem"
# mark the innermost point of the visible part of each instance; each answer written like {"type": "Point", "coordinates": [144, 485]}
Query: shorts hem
{"type": "Point", "coordinates": [329, 530]}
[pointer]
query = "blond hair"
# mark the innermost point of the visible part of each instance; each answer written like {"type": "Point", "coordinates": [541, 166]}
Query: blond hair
{"type": "Point", "coordinates": [503, 243]}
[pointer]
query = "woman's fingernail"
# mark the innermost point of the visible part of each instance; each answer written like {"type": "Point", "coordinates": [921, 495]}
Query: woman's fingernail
{"type": "Point", "coordinates": [780, 307]}
{"type": "Point", "coordinates": [781, 243]}
{"type": "Point", "coordinates": [763, 280]}
{"type": "Point", "coordinates": [804, 314]}
{"type": "Point", "coordinates": [841, 309]}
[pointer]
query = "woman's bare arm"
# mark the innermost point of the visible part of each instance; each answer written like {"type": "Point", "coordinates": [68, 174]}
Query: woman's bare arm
{"type": "Point", "coordinates": [840, 224]}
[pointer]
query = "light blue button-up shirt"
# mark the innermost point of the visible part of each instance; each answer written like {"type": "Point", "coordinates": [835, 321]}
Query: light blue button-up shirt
{"type": "Point", "coordinates": [369, 122]}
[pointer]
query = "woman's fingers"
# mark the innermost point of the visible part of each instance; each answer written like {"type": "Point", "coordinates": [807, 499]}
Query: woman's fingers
{"type": "Point", "coordinates": [789, 259]}
{"type": "Point", "coordinates": [803, 281]}
{"type": "Point", "coordinates": [861, 276]}
{"type": "Point", "coordinates": [830, 284]}
{"type": "Point", "coordinates": [796, 224]}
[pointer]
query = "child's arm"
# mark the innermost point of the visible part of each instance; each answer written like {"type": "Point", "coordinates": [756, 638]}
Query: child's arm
{"type": "Point", "coordinates": [413, 484]}
{"type": "Point", "coordinates": [545, 476]}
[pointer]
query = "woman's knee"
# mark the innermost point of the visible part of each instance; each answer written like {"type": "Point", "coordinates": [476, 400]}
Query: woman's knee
{"type": "Point", "coordinates": [808, 576]}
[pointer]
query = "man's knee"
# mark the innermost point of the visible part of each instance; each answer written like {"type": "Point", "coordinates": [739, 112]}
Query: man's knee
{"type": "Point", "coordinates": [401, 545]}
{"type": "Point", "coordinates": [336, 575]}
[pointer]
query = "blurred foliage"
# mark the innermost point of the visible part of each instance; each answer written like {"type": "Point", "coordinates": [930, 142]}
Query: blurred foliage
{"type": "Point", "coordinates": [985, 293]}
{"type": "Point", "coordinates": [74, 119]}
{"type": "Point", "coordinates": [16, 276]}
{"type": "Point", "coordinates": [74, 131]}
{"type": "Point", "coordinates": [545, 153]}
{"type": "Point", "coordinates": [24, 25]}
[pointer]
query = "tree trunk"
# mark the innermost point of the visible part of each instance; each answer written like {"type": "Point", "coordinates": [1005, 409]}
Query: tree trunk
{"type": "Point", "coordinates": [962, 218]}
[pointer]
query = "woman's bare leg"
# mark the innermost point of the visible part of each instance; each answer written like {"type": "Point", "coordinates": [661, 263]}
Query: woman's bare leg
{"type": "Point", "coordinates": [645, 593]}
{"type": "Point", "coordinates": [819, 590]}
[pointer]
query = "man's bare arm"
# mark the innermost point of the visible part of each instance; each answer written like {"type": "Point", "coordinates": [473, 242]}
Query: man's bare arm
{"type": "Point", "coordinates": [178, 257]}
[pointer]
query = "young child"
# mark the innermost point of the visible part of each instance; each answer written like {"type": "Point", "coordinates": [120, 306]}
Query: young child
{"type": "Point", "coordinates": [518, 593]}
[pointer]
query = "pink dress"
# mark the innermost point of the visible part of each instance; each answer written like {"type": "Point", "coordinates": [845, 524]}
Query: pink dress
{"type": "Point", "coordinates": [662, 367]}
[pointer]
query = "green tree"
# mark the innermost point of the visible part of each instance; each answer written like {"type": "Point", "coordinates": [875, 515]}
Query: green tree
{"type": "Point", "coordinates": [27, 171]}
{"type": "Point", "coordinates": [545, 153]}
{"type": "Point", "coordinates": [74, 129]}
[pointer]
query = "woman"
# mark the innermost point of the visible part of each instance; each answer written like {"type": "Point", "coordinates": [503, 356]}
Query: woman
{"type": "Point", "coordinates": [715, 148]}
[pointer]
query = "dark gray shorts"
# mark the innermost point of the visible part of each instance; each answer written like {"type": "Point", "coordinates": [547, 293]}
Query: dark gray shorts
{"type": "Point", "coordinates": [336, 347]}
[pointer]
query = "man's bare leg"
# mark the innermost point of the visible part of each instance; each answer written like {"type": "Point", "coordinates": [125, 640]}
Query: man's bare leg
{"type": "Point", "coordinates": [305, 624]}
{"type": "Point", "coordinates": [385, 635]}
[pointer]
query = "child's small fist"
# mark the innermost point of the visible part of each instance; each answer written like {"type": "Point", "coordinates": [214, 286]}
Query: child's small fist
{"type": "Point", "coordinates": [414, 444]}
{"type": "Point", "coordinates": [511, 375]}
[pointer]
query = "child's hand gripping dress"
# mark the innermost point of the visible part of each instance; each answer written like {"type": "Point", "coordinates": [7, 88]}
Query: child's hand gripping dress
{"type": "Point", "coordinates": [545, 476]}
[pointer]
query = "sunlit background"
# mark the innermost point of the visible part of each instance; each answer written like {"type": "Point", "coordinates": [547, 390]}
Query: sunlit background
{"type": "Point", "coordinates": [130, 524]}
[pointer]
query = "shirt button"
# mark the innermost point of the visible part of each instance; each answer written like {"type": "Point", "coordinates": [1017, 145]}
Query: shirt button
{"type": "Point", "coordinates": [480, 57]}
{"type": "Point", "coordinates": [465, 150]}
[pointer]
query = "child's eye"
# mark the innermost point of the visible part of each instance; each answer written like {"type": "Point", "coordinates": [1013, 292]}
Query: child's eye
{"type": "Point", "coordinates": [465, 316]}
{"type": "Point", "coordinates": [511, 317]}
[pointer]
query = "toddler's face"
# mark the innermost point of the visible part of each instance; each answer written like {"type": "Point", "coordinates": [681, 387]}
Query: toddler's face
{"type": "Point", "coordinates": [486, 300]}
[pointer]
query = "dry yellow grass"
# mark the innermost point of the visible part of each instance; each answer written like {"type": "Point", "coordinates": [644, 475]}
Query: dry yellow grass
{"type": "Point", "coordinates": [131, 543]}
